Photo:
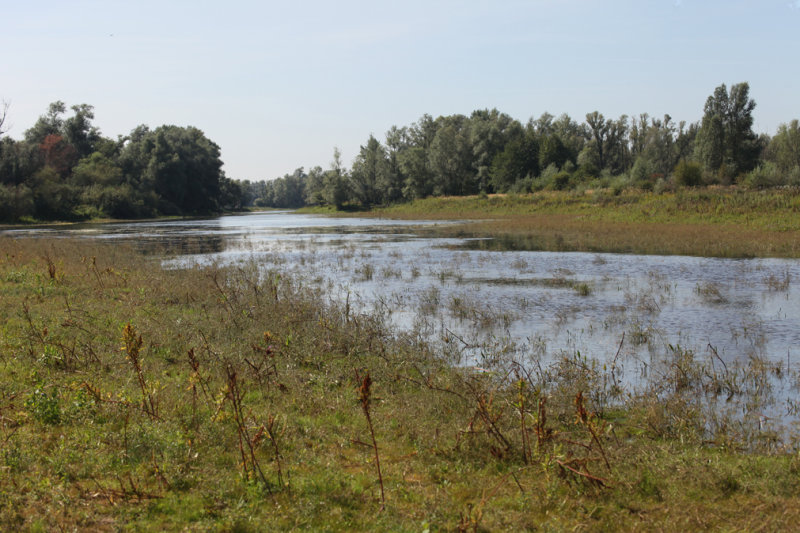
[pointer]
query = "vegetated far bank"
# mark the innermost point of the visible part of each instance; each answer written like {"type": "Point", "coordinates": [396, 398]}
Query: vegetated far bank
{"type": "Point", "coordinates": [714, 222]}
{"type": "Point", "coordinates": [227, 398]}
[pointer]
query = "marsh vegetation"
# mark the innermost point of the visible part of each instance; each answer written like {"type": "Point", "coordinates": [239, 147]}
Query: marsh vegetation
{"type": "Point", "coordinates": [364, 377]}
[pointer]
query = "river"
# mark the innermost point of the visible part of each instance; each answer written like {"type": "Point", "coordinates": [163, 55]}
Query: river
{"type": "Point", "coordinates": [528, 306]}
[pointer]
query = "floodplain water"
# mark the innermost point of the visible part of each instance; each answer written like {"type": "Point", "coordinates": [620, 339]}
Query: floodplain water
{"type": "Point", "coordinates": [531, 307]}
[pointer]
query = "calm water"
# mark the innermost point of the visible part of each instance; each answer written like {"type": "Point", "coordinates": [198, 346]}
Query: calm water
{"type": "Point", "coordinates": [530, 305]}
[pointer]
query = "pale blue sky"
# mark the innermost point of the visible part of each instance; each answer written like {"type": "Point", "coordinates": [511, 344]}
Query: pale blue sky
{"type": "Point", "coordinates": [278, 84]}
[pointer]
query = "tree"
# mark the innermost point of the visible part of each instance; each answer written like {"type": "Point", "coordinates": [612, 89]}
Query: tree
{"type": "Point", "coordinates": [608, 142]}
{"type": "Point", "coordinates": [289, 191]}
{"type": "Point", "coordinates": [572, 135]}
{"type": "Point", "coordinates": [490, 132]}
{"type": "Point", "coordinates": [413, 160]}
{"type": "Point", "coordinates": [653, 141]}
{"type": "Point", "coordinates": [231, 197]}
{"type": "Point", "coordinates": [58, 154]}
{"type": "Point", "coordinates": [96, 169]}
{"type": "Point", "coordinates": [397, 142]}
{"type": "Point", "coordinates": [79, 132]}
{"type": "Point", "coordinates": [54, 199]}
{"type": "Point", "coordinates": [784, 148]}
{"type": "Point", "coordinates": [726, 141]}
{"type": "Point", "coordinates": [336, 190]}
{"type": "Point", "coordinates": [370, 173]}
{"type": "Point", "coordinates": [685, 140]}
{"type": "Point", "coordinates": [450, 158]}
{"type": "Point", "coordinates": [552, 151]}
{"type": "Point", "coordinates": [518, 160]}
{"type": "Point", "coordinates": [177, 168]}
{"type": "Point", "coordinates": [315, 187]}
{"type": "Point", "coordinates": [18, 160]}
{"type": "Point", "coordinates": [47, 124]}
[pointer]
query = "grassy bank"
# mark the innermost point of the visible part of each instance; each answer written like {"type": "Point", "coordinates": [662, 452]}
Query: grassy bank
{"type": "Point", "coordinates": [705, 222]}
{"type": "Point", "coordinates": [229, 399]}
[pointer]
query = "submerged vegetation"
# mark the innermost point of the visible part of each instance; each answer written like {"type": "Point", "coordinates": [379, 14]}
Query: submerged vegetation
{"type": "Point", "coordinates": [239, 398]}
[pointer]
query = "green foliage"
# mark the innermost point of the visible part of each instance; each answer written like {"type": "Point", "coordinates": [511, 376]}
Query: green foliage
{"type": "Point", "coordinates": [726, 139]}
{"type": "Point", "coordinates": [44, 406]}
{"type": "Point", "coordinates": [642, 173]}
{"type": "Point", "coordinates": [16, 201]}
{"type": "Point", "coordinates": [608, 142]}
{"type": "Point", "coordinates": [450, 158]}
{"type": "Point", "coordinates": [688, 174]}
{"type": "Point", "coordinates": [70, 171]}
{"type": "Point", "coordinates": [370, 178]}
{"type": "Point", "coordinates": [553, 152]}
{"type": "Point", "coordinates": [770, 174]}
{"type": "Point", "coordinates": [784, 148]}
{"type": "Point", "coordinates": [183, 168]}
{"type": "Point", "coordinates": [518, 161]}
{"type": "Point", "coordinates": [96, 169]}
{"type": "Point", "coordinates": [560, 181]}
{"type": "Point", "coordinates": [54, 199]}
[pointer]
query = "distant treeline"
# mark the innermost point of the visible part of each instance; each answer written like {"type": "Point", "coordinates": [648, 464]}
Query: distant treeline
{"type": "Point", "coordinates": [64, 169]}
{"type": "Point", "coordinates": [490, 152]}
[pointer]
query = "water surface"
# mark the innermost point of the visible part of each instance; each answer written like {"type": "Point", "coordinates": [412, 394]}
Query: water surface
{"type": "Point", "coordinates": [530, 306]}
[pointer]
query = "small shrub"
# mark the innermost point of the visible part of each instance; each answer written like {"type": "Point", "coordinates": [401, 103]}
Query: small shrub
{"type": "Point", "coordinates": [765, 176]}
{"type": "Point", "coordinates": [663, 185]}
{"type": "Point", "coordinates": [641, 173]}
{"type": "Point", "coordinates": [44, 406]}
{"type": "Point", "coordinates": [688, 174]}
{"type": "Point", "coordinates": [560, 181]}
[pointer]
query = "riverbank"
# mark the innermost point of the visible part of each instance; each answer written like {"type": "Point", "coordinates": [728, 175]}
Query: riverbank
{"type": "Point", "coordinates": [133, 397]}
{"type": "Point", "coordinates": [715, 222]}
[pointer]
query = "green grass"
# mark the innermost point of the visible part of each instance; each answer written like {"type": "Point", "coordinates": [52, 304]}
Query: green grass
{"type": "Point", "coordinates": [92, 440]}
{"type": "Point", "coordinates": [721, 222]}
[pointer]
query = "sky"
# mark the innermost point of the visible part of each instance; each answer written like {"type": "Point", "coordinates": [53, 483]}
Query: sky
{"type": "Point", "coordinates": [278, 85]}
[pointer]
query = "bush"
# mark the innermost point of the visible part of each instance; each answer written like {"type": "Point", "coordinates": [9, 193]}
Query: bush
{"type": "Point", "coordinates": [522, 186]}
{"type": "Point", "coordinates": [663, 185]}
{"type": "Point", "coordinates": [641, 174]}
{"type": "Point", "coordinates": [560, 181]}
{"type": "Point", "coordinates": [45, 407]}
{"type": "Point", "coordinates": [619, 183]}
{"type": "Point", "coordinates": [688, 174]}
{"type": "Point", "coordinates": [769, 175]}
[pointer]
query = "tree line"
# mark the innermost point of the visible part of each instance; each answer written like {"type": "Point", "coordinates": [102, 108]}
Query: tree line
{"type": "Point", "coordinates": [64, 169]}
{"type": "Point", "coordinates": [490, 152]}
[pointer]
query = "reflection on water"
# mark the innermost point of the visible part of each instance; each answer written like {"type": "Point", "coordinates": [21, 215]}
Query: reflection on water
{"type": "Point", "coordinates": [529, 305]}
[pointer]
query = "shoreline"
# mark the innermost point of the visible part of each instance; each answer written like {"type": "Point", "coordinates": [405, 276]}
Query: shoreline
{"type": "Point", "coordinates": [718, 222]}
